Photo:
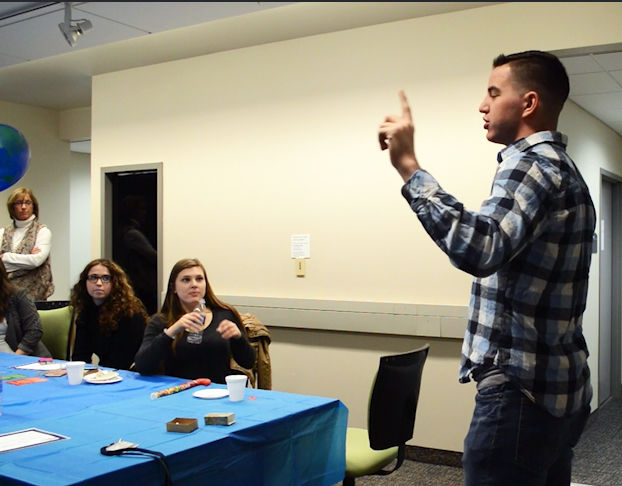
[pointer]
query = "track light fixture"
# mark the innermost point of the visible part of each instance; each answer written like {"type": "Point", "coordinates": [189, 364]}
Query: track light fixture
{"type": "Point", "coordinates": [72, 29]}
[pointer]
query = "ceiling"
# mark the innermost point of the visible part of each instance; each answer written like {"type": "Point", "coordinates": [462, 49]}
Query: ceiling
{"type": "Point", "coordinates": [596, 83]}
{"type": "Point", "coordinates": [38, 67]}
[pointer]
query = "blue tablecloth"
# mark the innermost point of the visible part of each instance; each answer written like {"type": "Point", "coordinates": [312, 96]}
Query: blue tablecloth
{"type": "Point", "coordinates": [277, 438]}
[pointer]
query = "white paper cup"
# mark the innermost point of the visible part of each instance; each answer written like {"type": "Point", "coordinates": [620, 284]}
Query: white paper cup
{"type": "Point", "coordinates": [75, 372]}
{"type": "Point", "coordinates": [236, 385]}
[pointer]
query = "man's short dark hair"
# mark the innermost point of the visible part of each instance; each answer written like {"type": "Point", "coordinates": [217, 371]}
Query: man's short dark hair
{"type": "Point", "coordinates": [541, 72]}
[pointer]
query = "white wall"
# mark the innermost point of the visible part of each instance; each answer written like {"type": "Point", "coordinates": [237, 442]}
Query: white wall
{"type": "Point", "coordinates": [593, 147]}
{"type": "Point", "coordinates": [79, 214]}
{"type": "Point", "coordinates": [264, 142]}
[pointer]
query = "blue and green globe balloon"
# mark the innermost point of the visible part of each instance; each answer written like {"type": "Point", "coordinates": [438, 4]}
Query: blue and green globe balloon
{"type": "Point", "coordinates": [14, 156]}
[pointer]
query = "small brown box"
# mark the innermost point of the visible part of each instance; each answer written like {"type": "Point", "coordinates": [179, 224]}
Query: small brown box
{"type": "Point", "coordinates": [182, 425]}
{"type": "Point", "coordinates": [219, 418]}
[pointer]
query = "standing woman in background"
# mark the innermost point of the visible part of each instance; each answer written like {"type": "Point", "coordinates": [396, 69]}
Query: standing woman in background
{"type": "Point", "coordinates": [168, 346]}
{"type": "Point", "coordinates": [20, 327]}
{"type": "Point", "coordinates": [26, 245]}
{"type": "Point", "coordinates": [110, 318]}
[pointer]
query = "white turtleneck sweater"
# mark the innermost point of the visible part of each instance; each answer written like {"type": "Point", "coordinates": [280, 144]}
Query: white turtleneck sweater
{"type": "Point", "coordinates": [16, 261]}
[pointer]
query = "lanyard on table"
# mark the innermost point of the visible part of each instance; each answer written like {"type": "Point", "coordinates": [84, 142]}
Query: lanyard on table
{"type": "Point", "coordinates": [122, 448]}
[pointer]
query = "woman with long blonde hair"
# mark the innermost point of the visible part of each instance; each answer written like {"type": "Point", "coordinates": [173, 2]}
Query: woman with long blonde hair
{"type": "Point", "coordinates": [110, 318]}
{"type": "Point", "coordinates": [195, 334]}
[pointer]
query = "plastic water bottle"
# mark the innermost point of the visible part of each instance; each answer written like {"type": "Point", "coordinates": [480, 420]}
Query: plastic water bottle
{"type": "Point", "coordinates": [197, 337]}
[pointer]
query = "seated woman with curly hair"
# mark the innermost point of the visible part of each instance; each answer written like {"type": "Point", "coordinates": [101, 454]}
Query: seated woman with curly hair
{"type": "Point", "coordinates": [110, 319]}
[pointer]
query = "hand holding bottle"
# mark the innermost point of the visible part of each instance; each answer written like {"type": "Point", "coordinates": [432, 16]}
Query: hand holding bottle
{"type": "Point", "coordinates": [197, 337]}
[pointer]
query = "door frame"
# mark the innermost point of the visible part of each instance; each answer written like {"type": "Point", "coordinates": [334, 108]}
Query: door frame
{"type": "Point", "coordinates": [616, 281]}
{"type": "Point", "coordinates": [106, 205]}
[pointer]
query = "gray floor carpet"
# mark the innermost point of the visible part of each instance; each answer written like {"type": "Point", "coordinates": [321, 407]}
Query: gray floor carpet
{"type": "Point", "coordinates": [597, 462]}
{"type": "Point", "coordinates": [598, 455]}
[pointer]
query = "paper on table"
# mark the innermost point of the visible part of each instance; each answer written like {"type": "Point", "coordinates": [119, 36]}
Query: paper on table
{"type": "Point", "coordinates": [27, 438]}
{"type": "Point", "coordinates": [26, 381]}
{"type": "Point", "coordinates": [41, 366]}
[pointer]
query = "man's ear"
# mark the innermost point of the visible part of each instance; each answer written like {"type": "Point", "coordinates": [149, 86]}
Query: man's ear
{"type": "Point", "coordinates": [531, 103]}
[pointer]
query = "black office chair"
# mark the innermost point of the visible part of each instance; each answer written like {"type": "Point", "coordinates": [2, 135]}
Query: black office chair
{"type": "Point", "coordinates": [391, 417]}
{"type": "Point", "coordinates": [50, 304]}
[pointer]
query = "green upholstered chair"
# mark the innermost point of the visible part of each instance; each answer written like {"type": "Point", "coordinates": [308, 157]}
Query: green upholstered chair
{"type": "Point", "coordinates": [57, 330]}
{"type": "Point", "coordinates": [391, 417]}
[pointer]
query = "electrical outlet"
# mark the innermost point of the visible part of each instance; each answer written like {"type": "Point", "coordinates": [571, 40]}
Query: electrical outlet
{"type": "Point", "coordinates": [300, 267]}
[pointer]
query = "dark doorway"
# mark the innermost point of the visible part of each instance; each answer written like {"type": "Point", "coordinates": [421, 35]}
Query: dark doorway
{"type": "Point", "coordinates": [135, 229]}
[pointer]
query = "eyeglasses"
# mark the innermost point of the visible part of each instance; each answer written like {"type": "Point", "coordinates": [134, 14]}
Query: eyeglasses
{"type": "Point", "coordinates": [104, 278]}
{"type": "Point", "coordinates": [22, 203]}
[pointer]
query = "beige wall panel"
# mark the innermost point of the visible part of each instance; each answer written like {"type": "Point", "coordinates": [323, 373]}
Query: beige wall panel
{"type": "Point", "coordinates": [261, 143]}
{"type": "Point", "coordinates": [75, 124]}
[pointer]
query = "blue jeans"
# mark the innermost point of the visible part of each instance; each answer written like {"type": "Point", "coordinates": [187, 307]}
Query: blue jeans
{"type": "Point", "coordinates": [512, 441]}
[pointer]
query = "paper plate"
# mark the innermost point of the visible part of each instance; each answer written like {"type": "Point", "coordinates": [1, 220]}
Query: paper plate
{"type": "Point", "coordinates": [211, 393]}
{"type": "Point", "coordinates": [92, 378]}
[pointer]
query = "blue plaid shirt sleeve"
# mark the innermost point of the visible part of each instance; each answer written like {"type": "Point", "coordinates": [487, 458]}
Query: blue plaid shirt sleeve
{"type": "Point", "coordinates": [529, 249]}
{"type": "Point", "coordinates": [480, 243]}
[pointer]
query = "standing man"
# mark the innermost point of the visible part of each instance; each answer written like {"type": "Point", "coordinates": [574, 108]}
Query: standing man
{"type": "Point", "coordinates": [529, 249]}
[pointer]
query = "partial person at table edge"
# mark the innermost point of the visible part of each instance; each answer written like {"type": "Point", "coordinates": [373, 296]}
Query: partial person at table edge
{"type": "Point", "coordinates": [26, 245]}
{"type": "Point", "coordinates": [110, 318]}
{"type": "Point", "coordinates": [20, 327]}
{"type": "Point", "coordinates": [165, 348]}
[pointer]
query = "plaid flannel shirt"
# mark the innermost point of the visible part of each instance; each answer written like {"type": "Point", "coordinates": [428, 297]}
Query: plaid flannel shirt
{"type": "Point", "coordinates": [529, 249]}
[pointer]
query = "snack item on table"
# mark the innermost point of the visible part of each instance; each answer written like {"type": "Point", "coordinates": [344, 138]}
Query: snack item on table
{"type": "Point", "coordinates": [182, 424]}
{"type": "Point", "coordinates": [215, 418]}
{"type": "Point", "coordinates": [103, 375]}
{"type": "Point", "coordinates": [181, 387]}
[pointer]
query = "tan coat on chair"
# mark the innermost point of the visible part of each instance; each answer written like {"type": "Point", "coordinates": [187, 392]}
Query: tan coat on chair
{"type": "Point", "coordinates": [259, 337]}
